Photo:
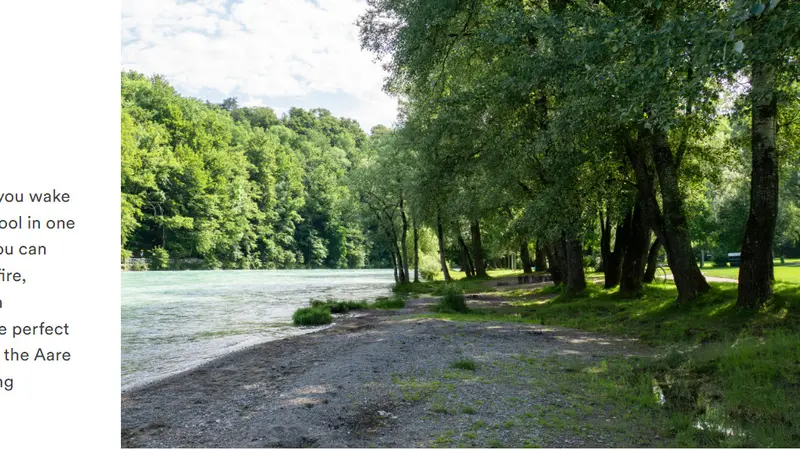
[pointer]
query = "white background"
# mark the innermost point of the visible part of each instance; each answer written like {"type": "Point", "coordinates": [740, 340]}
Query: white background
{"type": "Point", "coordinates": [59, 128]}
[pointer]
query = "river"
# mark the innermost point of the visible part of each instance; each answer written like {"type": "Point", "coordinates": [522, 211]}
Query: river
{"type": "Point", "coordinates": [173, 321]}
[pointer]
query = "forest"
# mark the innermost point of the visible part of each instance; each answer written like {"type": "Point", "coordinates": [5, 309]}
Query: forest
{"type": "Point", "coordinates": [591, 143]}
{"type": "Point", "coordinates": [240, 187]}
{"type": "Point", "coordinates": [616, 129]}
{"type": "Point", "coordinates": [561, 135]}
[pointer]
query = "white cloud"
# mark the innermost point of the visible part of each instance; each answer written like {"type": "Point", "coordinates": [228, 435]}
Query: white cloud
{"type": "Point", "coordinates": [257, 49]}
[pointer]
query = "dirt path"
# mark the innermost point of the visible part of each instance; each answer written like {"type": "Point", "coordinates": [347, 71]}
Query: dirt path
{"type": "Point", "coordinates": [387, 379]}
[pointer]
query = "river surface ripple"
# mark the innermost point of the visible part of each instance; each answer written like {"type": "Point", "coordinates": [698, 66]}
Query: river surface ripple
{"type": "Point", "coordinates": [173, 321]}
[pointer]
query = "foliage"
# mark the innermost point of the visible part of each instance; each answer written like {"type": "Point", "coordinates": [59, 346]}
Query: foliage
{"type": "Point", "coordinates": [317, 315]}
{"type": "Point", "coordinates": [452, 299]}
{"type": "Point", "coordinates": [159, 259]}
{"type": "Point", "coordinates": [239, 187]}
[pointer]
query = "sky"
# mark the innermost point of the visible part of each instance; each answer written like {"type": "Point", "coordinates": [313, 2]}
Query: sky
{"type": "Point", "coordinates": [276, 53]}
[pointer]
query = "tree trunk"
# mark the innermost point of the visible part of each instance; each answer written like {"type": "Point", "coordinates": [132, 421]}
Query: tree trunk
{"type": "Point", "coordinates": [416, 252]}
{"type": "Point", "coordinates": [401, 273]}
{"type": "Point", "coordinates": [652, 260]}
{"type": "Point", "coordinates": [404, 241]}
{"type": "Point", "coordinates": [540, 262]}
{"type": "Point", "coordinates": [525, 257]}
{"type": "Point", "coordinates": [688, 278]}
{"type": "Point", "coordinates": [477, 248]}
{"type": "Point", "coordinates": [466, 259]}
{"type": "Point", "coordinates": [558, 261]}
{"type": "Point", "coordinates": [633, 264]}
{"type": "Point", "coordinates": [440, 236]}
{"type": "Point", "coordinates": [756, 271]}
{"type": "Point", "coordinates": [605, 242]}
{"type": "Point", "coordinates": [576, 279]}
{"type": "Point", "coordinates": [394, 266]}
{"type": "Point", "coordinates": [613, 271]}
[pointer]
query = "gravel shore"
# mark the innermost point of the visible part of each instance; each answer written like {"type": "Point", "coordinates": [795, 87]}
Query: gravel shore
{"type": "Point", "coordinates": [390, 379]}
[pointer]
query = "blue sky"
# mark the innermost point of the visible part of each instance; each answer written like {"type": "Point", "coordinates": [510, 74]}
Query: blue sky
{"type": "Point", "coordinates": [277, 53]}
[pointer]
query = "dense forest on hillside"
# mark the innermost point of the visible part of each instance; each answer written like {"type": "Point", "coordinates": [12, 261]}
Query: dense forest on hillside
{"type": "Point", "coordinates": [240, 187]}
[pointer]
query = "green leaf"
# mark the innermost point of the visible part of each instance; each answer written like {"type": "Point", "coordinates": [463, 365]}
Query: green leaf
{"type": "Point", "coordinates": [738, 46]}
{"type": "Point", "coordinates": [773, 4]}
{"type": "Point", "coordinates": [757, 9]}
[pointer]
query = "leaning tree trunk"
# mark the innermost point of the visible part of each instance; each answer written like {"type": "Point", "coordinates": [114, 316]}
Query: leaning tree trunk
{"type": "Point", "coordinates": [525, 257]}
{"type": "Point", "coordinates": [466, 259]}
{"type": "Point", "coordinates": [541, 258]}
{"type": "Point", "coordinates": [652, 260]}
{"type": "Point", "coordinates": [633, 264]}
{"type": "Point", "coordinates": [477, 248]}
{"type": "Point", "coordinates": [442, 259]}
{"type": "Point", "coordinates": [756, 271]}
{"type": "Point", "coordinates": [613, 271]}
{"type": "Point", "coordinates": [401, 272]}
{"type": "Point", "coordinates": [576, 279]}
{"type": "Point", "coordinates": [404, 220]}
{"type": "Point", "coordinates": [394, 266]}
{"type": "Point", "coordinates": [688, 278]}
{"type": "Point", "coordinates": [416, 252]}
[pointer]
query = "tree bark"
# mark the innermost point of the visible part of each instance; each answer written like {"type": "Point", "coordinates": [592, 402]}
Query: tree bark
{"type": "Point", "coordinates": [404, 242]}
{"type": "Point", "coordinates": [688, 278]}
{"type": "Point", "coordinates": [650, 155]}
{"type": "Point", "coordinates": [633, 265]}
{"type": "Point", "coordinates": [525, 257]}
{"type": "Point", "coordinates": [652, 261]}
{"type": "Point", "coordinates": [541, 258]}
{"type": "Point", "coordinates": [401, 273]}
{"type": "Point", "coordinates": [477, 248]}
{"type": "Point", "coordinates": [576, 279]}
{"type": "Point", "coordinates": [558, 261]}
{"type": "Point", "coordinates": [416, 252]}
{"type": "Point", "coordinates": [440, 236]}
{"type": "Point", "coordinates": [394, 266]}
{"type": "Point", "coordinates": [466, 259]}
{"type": "Point", "coordinates": [756, 269]}
{"type": "Point", "coordinates": [613, 271]}
{"type": "Point", "coordinates": [605, 242]}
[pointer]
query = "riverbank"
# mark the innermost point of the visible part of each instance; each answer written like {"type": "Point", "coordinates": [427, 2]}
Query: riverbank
{"type": "Point", "coordinates": [647, 373]}
{"type": "Point", "coordinates": [401, 379]}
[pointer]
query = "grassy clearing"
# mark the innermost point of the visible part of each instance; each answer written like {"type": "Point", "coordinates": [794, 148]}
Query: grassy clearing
{"type": "Point", "coordinates": [783, 274]}
{"type": "Point", "coordinates": [728, 377]}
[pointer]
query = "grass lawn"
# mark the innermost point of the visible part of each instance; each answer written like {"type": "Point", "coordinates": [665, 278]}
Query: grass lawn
{"type": "Point", "coordinates": [729, 377]}
{"type": "Point", "coordinates": [785, 274]}
{"type": "Point", "coordinates": [493, 273]}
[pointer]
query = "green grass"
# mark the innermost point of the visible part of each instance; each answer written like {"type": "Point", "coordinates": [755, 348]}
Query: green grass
{"type": "Point", "coordinates": [783, 274]}
{"type": "Point", "coordinates": [730, 377]}
{"type": "Point", "coordinates": [452, 300]}
{"type": "Point", "coordinates": [338, 306]}
{"type": "Point", "coordinates": [464, 364]}
{"type": "Point", "coordinates": [318, 315]}
{"type": "Point", "coordinates": [394, 302]}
